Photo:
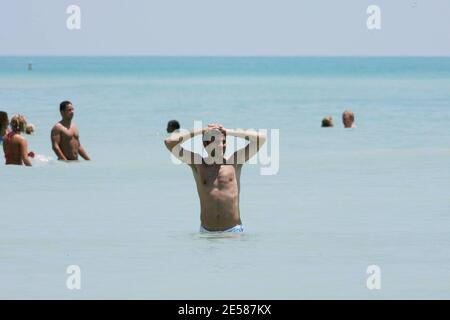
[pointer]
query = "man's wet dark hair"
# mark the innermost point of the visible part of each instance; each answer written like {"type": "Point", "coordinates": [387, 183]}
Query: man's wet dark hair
{"type": "Point", "coordinates": [172, 125]}
{"type": "Point", "coordinates": [63, 105]}
{"type": "Point", "coordinates": [3, 118]}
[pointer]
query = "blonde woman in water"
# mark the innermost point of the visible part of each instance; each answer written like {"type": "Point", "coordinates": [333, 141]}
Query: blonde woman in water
{"type": "Point", "coordinates": [15, 146]}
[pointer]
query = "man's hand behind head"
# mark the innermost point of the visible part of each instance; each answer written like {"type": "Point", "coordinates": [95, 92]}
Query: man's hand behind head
{"type": "Point", "coordinates": [218, 127]}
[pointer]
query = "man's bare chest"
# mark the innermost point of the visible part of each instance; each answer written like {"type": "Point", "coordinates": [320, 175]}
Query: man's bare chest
{"type": "Point", "coordinates": [69, 134]}
{"type": "Point", "coordinates": [217, 176]}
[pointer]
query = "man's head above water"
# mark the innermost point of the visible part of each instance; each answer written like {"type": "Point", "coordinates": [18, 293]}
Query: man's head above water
{"type": "Point", "coordinates": [348, 118]}
{"type": "Point", "coordinates": [215, 140]}
{"type": "Point", "coordinates": [327, 122]}
{"type": "Point", "coordinates": [173, 125]}
{"type": "Point", "coordinates": [67, 110]}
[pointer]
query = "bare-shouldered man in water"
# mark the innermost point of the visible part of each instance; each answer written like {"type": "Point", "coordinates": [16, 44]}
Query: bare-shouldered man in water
{"type": "Point", "coordinates": [348, 119]}
{"type": "Point", "coordinates": [65, 136]}
{"type": "Point", "coordinates": [217, 178]}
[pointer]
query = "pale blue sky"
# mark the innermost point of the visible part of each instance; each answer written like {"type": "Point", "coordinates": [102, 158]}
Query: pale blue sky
{"type": "Point", "coordinates": [225, 27]}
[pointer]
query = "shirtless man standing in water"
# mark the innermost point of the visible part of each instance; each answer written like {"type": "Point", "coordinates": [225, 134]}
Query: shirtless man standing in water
{"type": "Point", "coordinates": [65, 137]}
{"type": "Point", "coordinates": [217, 178]}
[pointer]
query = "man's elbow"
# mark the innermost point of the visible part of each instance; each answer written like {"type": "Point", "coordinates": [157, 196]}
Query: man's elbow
{"type": "Point", "coordinates": [170, 144]}
{"type": "Point", "coordinates": [262, 138]}
{"type": "Point", "coordinates": [57, 150]}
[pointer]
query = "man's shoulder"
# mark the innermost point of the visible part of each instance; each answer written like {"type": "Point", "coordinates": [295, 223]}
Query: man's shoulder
{"type": "Point", "coordinates": [57, 126]}
{"type": "Point", "coordinates": [232, 162]}
{"type": "Point", "coordinates": [202, 166]}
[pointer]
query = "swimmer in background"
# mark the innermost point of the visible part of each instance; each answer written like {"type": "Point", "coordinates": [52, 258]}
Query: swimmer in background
{"type": "Point", "coordinates": [172, 126]}
{"type": "Point", "coordinates": [30, 129]}
{"type": "Point", "coordinates": [65, 136]}
{"type": "Point", "coordinates": [327, 122]}
{"type": "Point", "coordinates": [4, 122]}
{"type": "Point", "coordinates": [348, 118]}
{"type": "Point", "coordinates": [217, 178]}
{"type": "Point", "coordinates": [15, 146]}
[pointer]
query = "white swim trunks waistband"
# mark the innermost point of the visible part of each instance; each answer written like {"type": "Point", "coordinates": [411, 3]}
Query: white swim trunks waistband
{"type": "Point", "coordinates": [237, 228]}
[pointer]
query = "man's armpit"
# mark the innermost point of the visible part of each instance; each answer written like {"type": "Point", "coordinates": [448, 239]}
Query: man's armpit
{"type": "Point", "coordinates": [194, 168]}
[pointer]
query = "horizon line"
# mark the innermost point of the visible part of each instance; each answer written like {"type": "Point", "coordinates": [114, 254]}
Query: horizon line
{"type": "Point", "coordinates": [219, 56]}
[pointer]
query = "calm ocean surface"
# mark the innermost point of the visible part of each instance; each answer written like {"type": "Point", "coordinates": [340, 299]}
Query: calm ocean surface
{"type": "Point", "coordinates": [342, 199]}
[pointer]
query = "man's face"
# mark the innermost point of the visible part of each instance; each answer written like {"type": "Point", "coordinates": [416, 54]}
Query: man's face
{"type": "Point", "coordinates": [347, 119]}
{"type": "Point", "coordinates": [215, 143]}
{"type": "Point", "coordinates": [68, 113]}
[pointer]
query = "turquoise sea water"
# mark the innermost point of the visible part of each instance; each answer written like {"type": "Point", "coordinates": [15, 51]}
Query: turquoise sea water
{"type": "Point", "coordinates": [342, 199]}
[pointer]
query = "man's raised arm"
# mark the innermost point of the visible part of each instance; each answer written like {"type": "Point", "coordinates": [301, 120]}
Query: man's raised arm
{"type": "Point", "coordinates": [255, 139]}
{"type": "Point", "coordinates": [173, 143]}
